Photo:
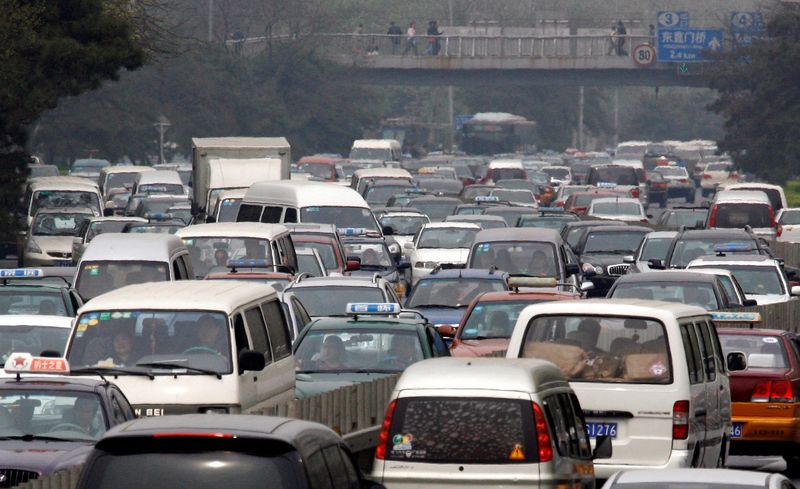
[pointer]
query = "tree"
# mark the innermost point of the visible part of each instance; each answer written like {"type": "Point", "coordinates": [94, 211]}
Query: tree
{"type": "Point", "coordinates": [51, 50]}
{"type": "Point", "coordinates": [759, 97]}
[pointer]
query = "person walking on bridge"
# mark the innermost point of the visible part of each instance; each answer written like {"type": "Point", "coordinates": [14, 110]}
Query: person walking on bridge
{"type": "Point", "coordinates": [622, 32]}
{"type": "Point", "coordinates": [396, 33]}
{"type": "Point", "coordinates": [613, 40]}
{"type": "Point", "coordinates": [411, 39]}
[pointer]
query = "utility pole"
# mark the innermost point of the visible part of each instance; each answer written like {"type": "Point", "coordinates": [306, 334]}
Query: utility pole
{"type": "Point", "coordinates": [451, 133]}
{"type": "Point", "coordinates": [161, 125]}
{"type": "Point", "coordinates": [580, 118]}
{"type": "Point", "coordinates": [616, 117]}
{"type": "Point", "coordinates": [210, 20]}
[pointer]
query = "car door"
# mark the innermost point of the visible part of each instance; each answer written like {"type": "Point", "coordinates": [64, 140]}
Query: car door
{"type": "Point", "coordinates": [698, 407]}
{"type": "Point", "coordinates": [279, 383]}
{"type": "Point", "coordinates": [718, 397]}
{"type": "Point", "coordinates": [265, 385]}
{"type": "Point", "coordinates": [248, 392]}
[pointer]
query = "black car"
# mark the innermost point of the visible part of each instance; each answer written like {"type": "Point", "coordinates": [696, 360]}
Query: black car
{"type": "Point", "coordinates": [376, 258]}
{"type": "Point", "coordinates": [48, 424]}
{"type": "Point", "coordinates": [696, 289]}
{"type": "Point", "coordinates": [573, 232]}
{"type": "Point", "coordinates": [209, 451]}
{"type": "Point", "coordinates": [602, 250]}
{"type": "Point", "coordinates": [691, 244]}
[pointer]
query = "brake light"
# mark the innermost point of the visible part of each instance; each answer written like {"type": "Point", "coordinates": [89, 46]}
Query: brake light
{"type": "Point", "coordinates": [644, 221]}
{"type": "Point", "coordinates": [680, 420]}
{"type": "Point", "coordinates": [635, 193]}
{"type": "Point", "coordinates": [712, 218]}
{"type": "Point", "coordinates": [772, 222]}
{"type": "Point", "coordinates": [543, 439]}
{"type": "Point", "coordinates": [773, 391]}
{"type": "Point", "coordinates": [733, 175]}
{"type": "Point", "coordinates": [193, 435]}
{"type": "Point", "coordinates": [383, 436]}
{"type": "Point", "coordinates": [684, 180]}
{"type": "Point", "coordinates": [761, 392]}
{"type": "Point", "coordinates": [706, 176]}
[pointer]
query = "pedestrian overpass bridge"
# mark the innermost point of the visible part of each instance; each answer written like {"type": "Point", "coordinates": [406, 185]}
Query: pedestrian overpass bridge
{"type": "Point", "coordinates": [484, 60]}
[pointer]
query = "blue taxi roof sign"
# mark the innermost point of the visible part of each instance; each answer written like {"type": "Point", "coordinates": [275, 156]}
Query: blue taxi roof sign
{"type": "Point", "coordinates": [732, 247]}
{"type": "Point", "coordinates": [25, 363]}
{"type": "Point", "coordinates": [21, 273]}
{"type": "Point", "coordinates": [352, 231]}
{"type": "Point", "coordinates": [248, 263]}
{"type": "Point", "coordinates": [414, 190]}
{"type": "Point", "coordinates": [372, 308]}
{"type": "Point", "coordinates": [487, 198]}
{"type": "Point", "coordinates": [736, 317]}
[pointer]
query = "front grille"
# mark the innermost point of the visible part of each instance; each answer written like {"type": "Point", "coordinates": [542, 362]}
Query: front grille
{"type": "Point", "coordinates": [15, 477]}
{"type": "Point", "coordinates": [620, 269]}
{"type": "Point", "coordinates": [60, 254]}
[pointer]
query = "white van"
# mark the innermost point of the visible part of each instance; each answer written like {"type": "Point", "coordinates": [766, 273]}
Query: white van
{"type": "Point", "coordinates": [120, 176]}
{"type": "Point", "coordinates": [651, 375]}
{"type": "Point", "coordinates": [742, 208]}
{"type": "Point", "coordinates": [376, 149]}
{"type": "Point", "coordinates": [188, 347]}
{"type": "Point", "coordinates": [227, 206]}
{"type": "Point", "coordinates": [484, 422]}
{"type": "Point", "coordinates": [775, 193]}
{"type": "Point", "coordinates": [114, 260]}
{"type": "Point", "coordinates": [59, 192]}
{"type": "Point", "coordinates": [314, 202]}
{"type": "Point", "coordinates": [211, 246]}
{"type": "Point", "coordinates": [159, 182]}
{"type": "Point", "coordinates": [360, 178]}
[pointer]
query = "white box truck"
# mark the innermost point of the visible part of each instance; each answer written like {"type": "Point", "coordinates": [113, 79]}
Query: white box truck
{"type": "Point", "coordinates": [220, 164]}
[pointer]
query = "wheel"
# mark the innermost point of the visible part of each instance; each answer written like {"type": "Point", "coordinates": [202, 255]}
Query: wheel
{"type": "Point", "coordinates": [68, 427]}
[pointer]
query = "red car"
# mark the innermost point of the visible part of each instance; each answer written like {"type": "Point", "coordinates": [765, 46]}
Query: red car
{"type": "Point", "coordinates": [765, 397]}
{"type": "Point", "coordinates": [579, 202]}
{"type": "Point", "coordinates": [489, 321]}
{"type": "Point", "coordinates": [322, 167]}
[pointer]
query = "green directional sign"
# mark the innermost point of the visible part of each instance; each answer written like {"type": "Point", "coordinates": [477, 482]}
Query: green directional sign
{"type": "Point", "coordinates": [683, 67]}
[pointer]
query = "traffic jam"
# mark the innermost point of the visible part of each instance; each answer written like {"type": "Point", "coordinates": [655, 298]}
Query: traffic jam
{"type": "Point", "coordinates": [553, 320]}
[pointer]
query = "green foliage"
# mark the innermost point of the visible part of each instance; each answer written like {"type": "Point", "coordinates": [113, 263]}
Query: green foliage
{"type": "Point", "coordinates": [210, 91]}
{"type": "Point", "coordinates": [49, 50]}
{"type": "Point", "coordinates": [671, 114]}
{"type": "Point", "coordinates": [759, 97]}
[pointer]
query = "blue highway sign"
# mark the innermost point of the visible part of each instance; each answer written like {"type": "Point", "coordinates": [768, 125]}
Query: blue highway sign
{"type": "Point", "coordinates": [687, 45]}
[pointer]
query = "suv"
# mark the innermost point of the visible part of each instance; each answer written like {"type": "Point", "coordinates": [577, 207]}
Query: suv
{"type": "Point", "coordinates": [619, 177]}
{"type": "Point", "coordinates": [762, 278]}
{"type": "Point", "coordinates": [692, 244]}
{"type": "Point", "coordinates": [740, 208]}
{"type": "Point", "coordinates": [208, 451]}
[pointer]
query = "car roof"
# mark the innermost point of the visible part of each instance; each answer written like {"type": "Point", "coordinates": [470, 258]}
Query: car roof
{"type": "Point", "coordinates": [724, 196]}
{"type": "Point", "coordinates": [79, 184]}
{"type": "Point", "coordinates": [716, 233]}
{"type": "Point", "coordinates": [183, 295]}
{"type": "Point", "coordinates": [623, 229]}
{"type": "Point", "coordinates": [334, 281]}
{"type": "Point", "coordinates": [662, 276]}
{"type": "Point", "coordinates": [303, 194]}
{"type": "Point", "coordinates": [517, 374]}
{"type": "Point", "coordinates": [592, 222]}
{"type": "Point", "coordinates": [131, 247]}
{"type": "Point", "coordinates": [729, 477]}
{"type": "Point", "coordinates": [233, 230]}
{"type": "Point", "coordinates": [382, 172]}
{"type": "Point", "coordinates": [364, 322]}
{"type": "Point", "coordinates": [617, 307]}
{"type": "Point", "coordinates": [450, 225]}
{"type": "Point", "coordinates": [65, 210]}
{"type": "Point", "coordinates": [404, 214]}
{"type": "Point", "coordinates": [756, 331]}
{"type": "Point", "coordinates": [35, 320]}
{"type": "Point", "coordinates": [125, 169]}
{"type": "Point", "coordinates": [661, 234]}
{"type": "Point", "coordinates": [95, 219]}
{"type": "Point", "coordinates": [427, 199]}
{"type": "Point", "coordinates": [517, 234]}
{"type": "Point", "coordinates": [474, 217]}
{"type": "Point", "coordinates": [511, 296]}
{"type": "Point", "coordinates": [735, 259]}
{"type": "Point", "coordinates": [624, 200]}
{"type": "Point", "coordinates": [159, 177]}
{"type": "Point", "coordinates": [52, 382]}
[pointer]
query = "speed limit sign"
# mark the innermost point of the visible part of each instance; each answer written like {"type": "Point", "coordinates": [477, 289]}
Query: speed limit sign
{"type": "Point", "coordinates": [644, 55]}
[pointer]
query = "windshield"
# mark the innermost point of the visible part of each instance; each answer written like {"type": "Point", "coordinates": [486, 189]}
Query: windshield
{"type": "Point", "coordinates": [52, 224]}
{"type": "Point", "coordinates": [119, 180]}
{"type": "Point", "coordinates": [331, 301]}
{"type": "Point", "coordinates": [740, 214]}
{"type": "Point", "coordinates": [762, 351]}
{"type": "Point", "coordinates": [790, 217]}
{"type": "Point", "coordinates": [61, 414]}
{"type": "Point", "coordinates": [616, 243]}
{"type": "Point", "coordinates": [517, 257]}
{"type": "Point", "coordinates": [341, 217]}
{"type": "Point", "coordinates": [307, 263]}
{"type": "Point", "coordinates": [49, 199]}
{"type": "Point", "coordinates": [616, 175]}
{"type": "Point", "coordinates": [725, 167]}
{"type": "Point", "coordinates": [228, 210]}
{"type": "Point", "coordinates": [755, 280]}
{"type": "Point", "coordinates": [101, 227]}
{"type": "Point", "coordinates": [323, 171]}
{"type": "Point", "coordinates": [127, 338]}
{"type": "Point", "coordinates": [655, 249]}
{"type": "Point", "coordinates": [371, 154]}
{"type": "Point", "coordinates": [701, 295]}
{"type": "Point", "coordinates": [549, 222]}
{"type": "Point", "coordinates": [617, 208]}
{"type": "Point", "coordinates": [29, 300]}
{"type": "Point", "coordinates": [688, 218]}
{"type": "Point", "coordinates": [160, 188]}
{"type": "Point", "coordinates": [211, 254]}
{"type": "Point", "coordinates": [183, 463]}
{"type": "Point", "coordinates": [357, 350]}
{"type": "Point", "coordinates": [436, 211]}
{"type": "Point", "coordinates": [31, 339]}
{"type": "Point", "coordinates": [404, 225]}
{"type": "Point", "coordinates": [447, 238]}
{"type": "Point", "coordinates": [520, 196]}
{"type": "Point", "coordinates": [630, 350]}
{"type": "Point", "coordinates": [687, 250]}
{"type": "Point", "coordinates": [451, 292]}
{"type": "Point", "coordinates": [493, 320]}
{"type": "Point", "coordinates": [373, 255]}
{"type": "Point", "coordinates": [99, 277]}
{"type": "Point", "coordinates": [380, 194]}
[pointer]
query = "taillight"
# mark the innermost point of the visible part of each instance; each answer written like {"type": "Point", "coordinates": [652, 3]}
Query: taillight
{"type": "Point", "coordinates": [543, 439]}
{"type": "Point", "coordinates": [383, 436]}
{"type": "Point", "coordinates": [635, 193]}
{"type": "Point", "coordinates": [644, 221]}
{"type": "Point", "coordinates": [684, 180]}
{"type": "Point", "coordinates": [733, 175]}
{"type": "Point", "coordinates": [706, 176]}
{"type": "Point", "coordinates": [772, 222]}
{"type": "Point", "coordinates": [773, 391]}
{"type": "Point", "coordinates": [680, 420]}
{"type": "Point", "coordinates": [712, 218]}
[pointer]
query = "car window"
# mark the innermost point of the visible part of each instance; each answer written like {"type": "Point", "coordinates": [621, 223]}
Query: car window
{"type": "Point", "coordinates": [691, 348]}
{"type": "Point", "coordinates": [762, 351]}
{"type": "Point", "coordinates": [278, 331]}
{"type": "Point", "coordinates": [258, 332]}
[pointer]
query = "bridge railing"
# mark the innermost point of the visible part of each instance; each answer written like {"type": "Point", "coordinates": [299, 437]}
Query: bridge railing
{"type": "Point", "coordinates": [464, 46]}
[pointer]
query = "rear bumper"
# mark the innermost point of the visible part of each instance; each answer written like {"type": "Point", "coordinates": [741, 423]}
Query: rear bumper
{"type": "Point", "coordinates": [769, 428]}
{"type": "Point", "coordinates": [678, 459]}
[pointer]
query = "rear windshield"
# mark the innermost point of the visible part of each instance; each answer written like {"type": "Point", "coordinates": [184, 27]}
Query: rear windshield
{"type": "Point", "coordinates": [688, 249]}
{"type": "Point", "coordinates": [701, 295]}
{"type": "Point", "coordinates": [755, 280]}
{"type": "Point", "coordinates": [718, 167]}
{"type": "Point", "coordinates": [95, 278]}
{"type": "Point", "coordinates": [517, 257]}
{"type": "Point", "coordinates": [341, 217]}
{"type": "Point", "coordinates": [616, 175]}
{"type": "Point", "coordinates": [463, 430]}
{"type": "Point", "coordinates": [507, 173]}
{"type": "Point", "coordinates": [762, 351]}
{"type": "Point", "coordinates": [740, 214]}
{"type": "Point", "coordinates": [617, 209]}
{"type": "Point", "coordinates": [161, 188]}
{"type": "Point", "coordinates": [330, 301]}
{"type": "Point", "coordinates": [601, 349]}
{"type": "Point", "coordinates": [689, 218]}
{"type": "Point", "coordinates": [613, 242]}
{"type": "Point", "coordinates": [43, 301]}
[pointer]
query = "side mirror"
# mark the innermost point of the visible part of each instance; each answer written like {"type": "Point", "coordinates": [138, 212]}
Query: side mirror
{"type": "Point", "coordinates": [387, 230]}
{"type": "Point", "coordinates": [251, 360]}
{"type": "Point", "coordinates": [408, 245]}
{"type": "Point", "coordinates": [602, 447]}
{"type": "Point", "coordinates": [572, 269]}
{"type": "Point", "coordinates": [589, 271]}
{"type": "Point", "coordinates": [749, 303]}
{"type": "Point", "coordinates": [353, 264]}
{"type": "Point", "coordinates": [587, 286]}
{"type": "Point", "coordinates": [404, 265]}
{"type": "Point", "coordinates": [795, 290]}
{"type": "Point", "coordinates": [656, 264]}
{"type": "Point", "coordinates": [446, 331]}
{"type": "Point", "coordinates": [628, 259]}
{"type": "Point", "coordinates": [736, 361]}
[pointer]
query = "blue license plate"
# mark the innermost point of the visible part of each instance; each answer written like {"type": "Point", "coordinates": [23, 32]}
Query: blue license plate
{"type": "Point", "coordinates": [601, 429]}
{"type": "Point", "coordinates": [736, 430]}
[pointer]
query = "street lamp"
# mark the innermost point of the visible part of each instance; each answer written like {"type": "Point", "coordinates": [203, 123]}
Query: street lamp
{"type": "Point", "coordinates": [162, 124]}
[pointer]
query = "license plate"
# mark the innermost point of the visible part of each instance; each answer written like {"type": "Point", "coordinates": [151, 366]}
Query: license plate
{"type": "Point", "coordinates": [736, 430]}
{"type": "Point", "coordinates": [602, 429]}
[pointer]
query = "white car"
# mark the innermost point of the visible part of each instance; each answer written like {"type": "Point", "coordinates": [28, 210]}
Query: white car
{"type": "Point", "coordinates": [49, 239]}
{"type": "Point", "coordinates": [437, 243]}
{"type": "Point", "coordinates": [618, 209]}
{"type": "Point", "coordinates": [789, 220]}
{"type": "Point", "coordinates": [717, 174]}
{"type": "Point", "coordinates": [655, 246]}
{"type": "Point", "coordinates": [404, 226]}
{"type": "Point", "coordinates": [762, 278]}
{"type": "Point", "coordinates": [559, 175]}
{"type": "Point", "coordinates": [33, 334]}
{"type": "Point", "coordinates": [697, 478]}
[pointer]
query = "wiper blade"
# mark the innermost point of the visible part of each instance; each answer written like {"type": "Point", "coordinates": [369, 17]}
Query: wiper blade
{"type": "Point", "coordinates": [111, 370]}
{"type": "Point", "coordinates": [31, 437]}
{"type": "Point", "coordinates": [180, 366]}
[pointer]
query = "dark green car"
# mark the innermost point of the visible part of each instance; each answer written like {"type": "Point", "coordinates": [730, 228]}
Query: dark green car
{"type": "Point", "coordinates": [335, 352]}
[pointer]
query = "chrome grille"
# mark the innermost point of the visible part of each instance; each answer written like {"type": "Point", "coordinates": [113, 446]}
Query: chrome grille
{"type": "Point", "coordinates": [15, 477]}
{"type": "Point", "coordinates": [620, 269]}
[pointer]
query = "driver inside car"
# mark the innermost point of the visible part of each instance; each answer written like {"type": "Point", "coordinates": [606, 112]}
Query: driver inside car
{"type": "Point", "coordinates": [210, 336]}
{"type": "Point", "coordinates": [82, 415]}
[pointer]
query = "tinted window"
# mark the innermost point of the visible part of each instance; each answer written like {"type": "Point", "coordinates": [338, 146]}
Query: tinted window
{"type": "Point", "coordinates": [95, 278]}
{"type": "Point", "coordinates": [331, 301]}
{"type": "Point", "coordinates": [278, 332]}
{"type": "Point", "coordinates": [613, 242]}
{"type": "Point", "coordinates": [762, 351]}
{"type": "Point", "coordinates": [249, 213]}
{"type": "Point", "coordinates": [463, 430]}
{"type": "Point", "coordinates": [655, 249]}
{"type": "Point", "coordinates": [692, 349]}
{"type": "Point", "coordinates": [516, 257]}
{"type": "Point", "coordinates": [342, 217]}
{"type": "Point", "coordinates": [272, 214]}
{"type": "Point", "coordinates": [451, 292]}
{"type": "Point", "coordinates": [707, 349]}
{"type": "Point", "coordinates": [258, 332]}
{"type": "Point", "coordinates": [701, 295]}
{"type": "Point", "coordinates": [616, 175]}
{"type": "Point", "coordinates": [739, 215]}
